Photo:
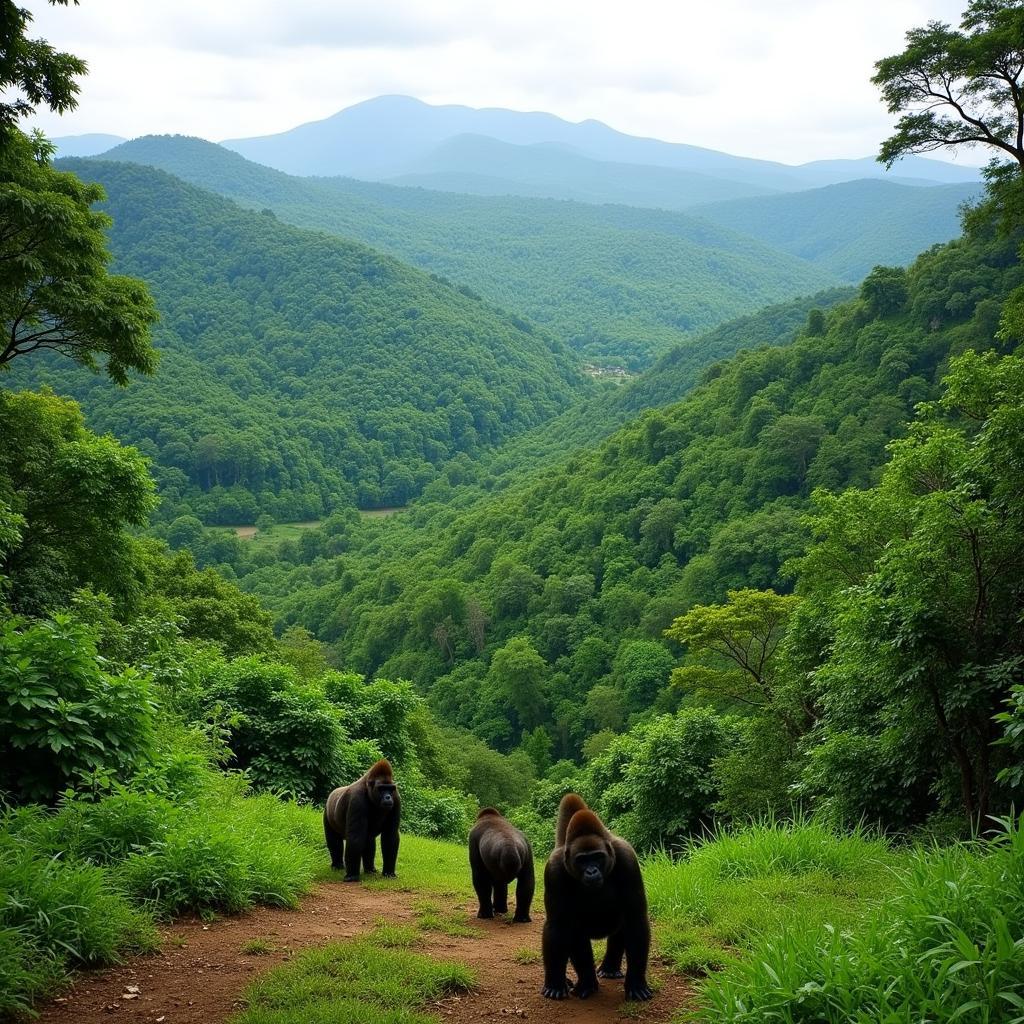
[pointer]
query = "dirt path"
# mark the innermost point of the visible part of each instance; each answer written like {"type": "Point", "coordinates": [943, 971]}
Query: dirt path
{"type": "Point", "coordinates": [200, 972]}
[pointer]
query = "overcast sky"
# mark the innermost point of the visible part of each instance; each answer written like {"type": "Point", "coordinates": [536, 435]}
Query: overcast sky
{"type": "Point", "coordinates": [778, 79]}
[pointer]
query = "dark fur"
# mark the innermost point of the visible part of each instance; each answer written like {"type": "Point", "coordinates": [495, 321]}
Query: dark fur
{"type": "Point", "coordinates": [355, 815]}
{"type": "Point", "coordinates": [613, 905]}
{"type": "Point", "coordinates": [499, 853]}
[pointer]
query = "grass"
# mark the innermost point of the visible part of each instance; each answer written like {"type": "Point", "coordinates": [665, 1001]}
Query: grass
{"type": "Point", "coordinates": [947, 945]}
{"type": "Point", "coordinates": [428, 866]}
{"type": "Point", "coordinates": [258, 947]}
{"type": "Point", "coordinates": [527, 956]}
{"type": "Point", "coordinates": [363, 981]}
{"type": "Point", "coordinates": [432, 918]}
{"type": "Point", "coordinates": [766, 879]}
{"type": "Point", "coordinates": [269, 538]}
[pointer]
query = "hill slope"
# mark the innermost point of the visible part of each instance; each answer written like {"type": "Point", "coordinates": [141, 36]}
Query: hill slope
{"type": "Point", "coordinates": [613, 281]}
{"type": "Point", "coordinates": [300, 372]}
{"type": "Point", "coordinates": [850, 228]}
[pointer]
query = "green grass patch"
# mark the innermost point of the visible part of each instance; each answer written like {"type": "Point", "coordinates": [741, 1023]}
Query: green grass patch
{"type": "Point", "coordinates": [258, 947]}
{"type": "Point", "coordinates": [364, 981]}
{"type": "Point", "coordinates": [527, 956]}
{"type": "Point", "coordinates": [430, 917]}
{"type": "Point", "coordinates": [736, 887]}
{"type": "Point", "coordinates": [947, 945]}
{"type": "Point", "coordinates": [429, 866]}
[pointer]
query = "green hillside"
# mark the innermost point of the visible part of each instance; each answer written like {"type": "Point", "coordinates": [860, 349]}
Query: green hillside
{"type": "Point", "coordinates": [575, 566]}
{"type": "Point", "coordinates": [619, 284]}
{"type": "Point", "coordinates": [847, 229]}
{"type": "Point", "coordinates": [299, 372]}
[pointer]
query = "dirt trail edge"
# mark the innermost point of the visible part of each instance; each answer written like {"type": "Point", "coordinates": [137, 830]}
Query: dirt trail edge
{"type": "Point", "coordinates": [201, 971]}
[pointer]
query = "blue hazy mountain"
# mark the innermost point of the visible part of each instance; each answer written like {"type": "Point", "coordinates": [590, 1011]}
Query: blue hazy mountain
{"type": "Point", "coordinates": [480, 165]}
{"type": "Point", "coordinates": [85, 145]}
{"type": "Point", "coordinates": [390, 135]}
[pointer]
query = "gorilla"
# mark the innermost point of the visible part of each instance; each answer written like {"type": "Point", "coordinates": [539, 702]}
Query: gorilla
{"type": "Point", "coordinates": [593, 889]}
{"type": "Point", "coordinates": [499, 853]}
{"type": "Point", "coordinates": [356, 814]}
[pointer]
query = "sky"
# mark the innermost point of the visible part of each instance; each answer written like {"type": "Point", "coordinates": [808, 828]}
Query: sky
{"type": "Point", "coordinates": [784, 80]}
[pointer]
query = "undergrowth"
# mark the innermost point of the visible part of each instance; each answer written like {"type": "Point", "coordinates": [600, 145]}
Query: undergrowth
{"type": "Point", "coordinates": [770, 878]}
{"type": "Point", "coordinates": [947, 945]}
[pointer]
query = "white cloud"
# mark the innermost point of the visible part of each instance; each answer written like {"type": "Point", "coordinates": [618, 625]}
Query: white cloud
{"type": "Point", "coordinates": [778, 79]}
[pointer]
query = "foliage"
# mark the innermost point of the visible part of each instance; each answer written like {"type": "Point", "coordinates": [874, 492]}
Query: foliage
{"type": "Point", "coordinates": [920, 577]}
{"type": "Point", "coordinates": [958, 87]}
{"type": "Point", "coordinates": [945, 945]}
{"type": "Point", "coordinates": [70, 721]}
{"type": "Point", "coordinates": [56, 293]}
{"type": "Point", "coordinates": [80, 493]}
{"type": "Point", "coordinates": [585, 557]}
{"type": "Point", "coordinates": [33, 70]}
{"type": "Point", "coordinates": [655, 785]}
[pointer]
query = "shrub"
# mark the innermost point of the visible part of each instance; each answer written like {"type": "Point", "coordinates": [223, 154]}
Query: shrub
{"type": "Point", "coordinates": [436, 813]}
{"type": "Point", "coordinates": [66, 717]}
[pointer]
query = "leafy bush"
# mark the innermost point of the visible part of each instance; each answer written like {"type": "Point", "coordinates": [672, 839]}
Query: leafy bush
{"type": "Point", "coordinates": [437, 813]}
{"type": "Point", "coordinates": [283, 732]}
{"type": "Point", "coordinates": [66, 716]}
{"type": "Point", "coordinates": [947, 945]}
{"type": "Point", "coordinates": [655, 784]}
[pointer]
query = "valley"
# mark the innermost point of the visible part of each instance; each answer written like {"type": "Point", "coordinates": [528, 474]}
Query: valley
{"type": "Point", "coordinates": [430, 498]}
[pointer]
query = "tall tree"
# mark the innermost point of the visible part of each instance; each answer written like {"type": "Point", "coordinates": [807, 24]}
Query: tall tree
{"type": "Point", "coordinates": [959, 87]}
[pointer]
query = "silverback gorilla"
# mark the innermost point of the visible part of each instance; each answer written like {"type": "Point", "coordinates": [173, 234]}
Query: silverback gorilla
{"type": "Point", "coordinates": [355, 815]}
{"type": "Point", "coordinates": [499, 853]}
{"type": "Point", "coordinates": [593, 889]}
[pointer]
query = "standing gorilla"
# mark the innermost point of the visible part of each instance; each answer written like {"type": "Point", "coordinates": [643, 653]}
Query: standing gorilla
{"type": "Point", "coordinates": [355, 815]}
{"type": "Point", "coordinates": [593, 889]}
{"type": "Point", "coordinates": [499, 853]}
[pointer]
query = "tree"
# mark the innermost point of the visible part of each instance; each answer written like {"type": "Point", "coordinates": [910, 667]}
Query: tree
{"type": "Point", "coordinates": [959, 87]}
{"type": "Point", "coordinates": [518, 673]}
{"type": "Point", "coordinates": [77, 494]}
{"type": "Point", "coordinates": [732, 647]}
{"type": "Point", "coordinates": [33, 70]}
{"type": "Point", "coordinates": [928, 638]}
{"type": "Point", "coordinates": [55, 291]}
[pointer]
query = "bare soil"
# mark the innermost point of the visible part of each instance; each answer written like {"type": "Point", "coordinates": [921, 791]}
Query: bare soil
{"type": "Point", "coordinates": [199, 974]}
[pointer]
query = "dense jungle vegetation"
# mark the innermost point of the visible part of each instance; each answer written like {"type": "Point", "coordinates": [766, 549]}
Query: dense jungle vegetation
{"type": "Point", "coordinates": [764, 609]}
{"type": "Point", "coordinates": [300, 373]}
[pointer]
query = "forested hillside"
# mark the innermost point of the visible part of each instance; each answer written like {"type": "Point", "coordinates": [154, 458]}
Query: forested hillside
{"type": "Point", "coordinates": [569, 580]}
{"type": "Point", "coordinates": [619, 284]}
{"type": "Point", "coordinates": [301, 373]}
{"type": "Point", "coordinates": [847, 229]}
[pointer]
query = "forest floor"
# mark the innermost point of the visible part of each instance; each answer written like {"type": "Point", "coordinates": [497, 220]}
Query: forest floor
{"type": "Point", "coordinates": [201, 972]}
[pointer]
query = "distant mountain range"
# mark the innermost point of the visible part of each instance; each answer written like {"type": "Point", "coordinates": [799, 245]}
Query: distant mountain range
{"type": "Point", "coordinates": [507, 152]}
